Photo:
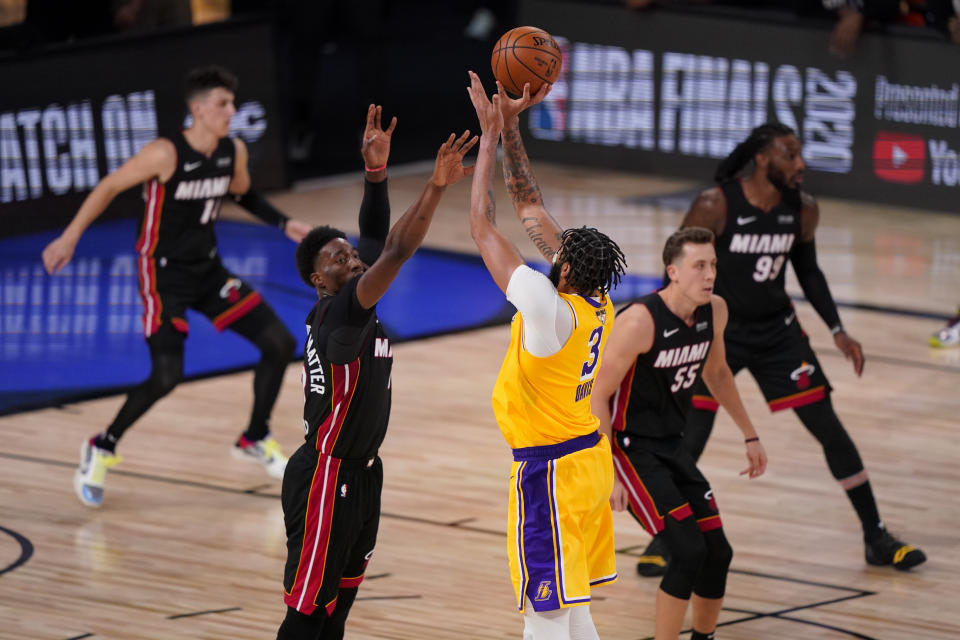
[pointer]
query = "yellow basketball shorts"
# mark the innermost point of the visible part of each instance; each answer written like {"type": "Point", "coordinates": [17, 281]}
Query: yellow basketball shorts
{"type": "Point", "coordinates": [560, 527]}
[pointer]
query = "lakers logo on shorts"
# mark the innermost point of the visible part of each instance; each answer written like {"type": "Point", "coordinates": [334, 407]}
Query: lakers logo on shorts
{"type": "Point", "coordinates": [544, 591]}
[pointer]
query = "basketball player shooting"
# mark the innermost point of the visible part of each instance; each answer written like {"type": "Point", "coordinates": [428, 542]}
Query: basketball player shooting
{"type": "Point", "coordinates": [557, 339]}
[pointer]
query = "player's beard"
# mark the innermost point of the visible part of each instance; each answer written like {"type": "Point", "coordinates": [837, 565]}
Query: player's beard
{"type": "Point", "coordinates": [555, 274]}
{"type": "Point", "coordinates": [779, 180]}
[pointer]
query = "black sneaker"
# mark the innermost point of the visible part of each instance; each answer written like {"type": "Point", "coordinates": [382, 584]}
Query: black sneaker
{"type": "Point", "coordinates": [654, 560]}
{"type": "Point", "coordinates": [887, 550]}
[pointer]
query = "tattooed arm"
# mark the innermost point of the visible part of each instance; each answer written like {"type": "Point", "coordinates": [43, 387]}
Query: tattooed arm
{"type": "Point", "coordinates": [522, 186]}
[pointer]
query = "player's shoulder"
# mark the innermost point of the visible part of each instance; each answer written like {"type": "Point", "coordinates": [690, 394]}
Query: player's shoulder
{"type": "Point", "coordinates": [636, 314]}
{"type": "Point", "coordinates": [711, 199]}
{"type": "Point", "coordinates": [161, 147]}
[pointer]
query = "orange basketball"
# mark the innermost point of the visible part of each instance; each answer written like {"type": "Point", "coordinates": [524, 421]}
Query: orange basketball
{"type": "Point", "coordinates": [525, 54]}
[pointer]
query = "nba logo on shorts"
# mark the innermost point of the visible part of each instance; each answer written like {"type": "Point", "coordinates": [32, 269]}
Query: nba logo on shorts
{"type": "Point", "coordinates": [343, 491]}
{"type": "Point", "coordinates": [543, 591]}
{"type": "Point", "coordinates": [548, 120]}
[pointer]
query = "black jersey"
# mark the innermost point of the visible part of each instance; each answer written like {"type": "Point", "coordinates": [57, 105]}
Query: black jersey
{"type": "Point", "coordinates": [177, 225]}
{"type": "Point", "coordinates": [752, 254]}
{"type": "Point", "coordinates": [656, 393]}
{"type": "Point", "coordinates": [346, 377]}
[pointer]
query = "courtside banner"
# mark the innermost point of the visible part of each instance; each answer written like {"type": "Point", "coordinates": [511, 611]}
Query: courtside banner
{"type": "Point", "coordinates": [667, 92]}
{"type": "Point", "coordinates": [70, 115]}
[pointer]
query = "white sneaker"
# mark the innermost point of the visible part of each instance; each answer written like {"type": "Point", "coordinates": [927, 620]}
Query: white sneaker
{"type": "Point", "coordinates": [265, 451]}
{"type": "Point", "coordinates": [949, 336]}
{"type": "Point", "coordinates": [90, 475]}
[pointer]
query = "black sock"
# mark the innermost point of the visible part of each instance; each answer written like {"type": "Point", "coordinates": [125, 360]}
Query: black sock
{"type": "Point", "coordinates": [866, 507]}
{"type": "Point", "coordinates": [105, 441]}
{"type": "Point", "coordinates": [702, 636]}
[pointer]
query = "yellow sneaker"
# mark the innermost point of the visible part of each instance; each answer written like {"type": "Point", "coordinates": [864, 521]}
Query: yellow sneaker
{"type": "Point", "coordinates": [265, 451]}
{"type": "Point", "coordinates": [90, 475]}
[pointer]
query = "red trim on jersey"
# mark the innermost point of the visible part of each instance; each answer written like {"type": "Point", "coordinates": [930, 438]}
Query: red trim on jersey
{"type": "Point", "coordinates": [316, 538]}
{"type": "Point", "coordinates": [706, 403]}
{"type": "Point", "coordinates": [350, 583]}
{"type": "Point", "coordinates": [799, 399]}
{"type": "Point", "coordinates": [344, 384]}
{"type": "Point", "coordinates": [237, 311]}
{"type": "Point", "coordinates": [147, 268]}
{"type": "Point", "coordinates": [331, 607]}
{"type": "Point", "coordinates": [641, 503]}
{"type": "Point", "coordinates": [710, 523]}
{"type": "Point", "coordinates": [682, 512]}
{"type": "Point", "coordinates": [180, 325]}
{"type": "Point", "coordinates": [621, 400]}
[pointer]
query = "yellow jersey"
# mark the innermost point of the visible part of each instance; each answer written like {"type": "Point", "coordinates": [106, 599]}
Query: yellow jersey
{"type": "Point", "coordinates": [544, 401]}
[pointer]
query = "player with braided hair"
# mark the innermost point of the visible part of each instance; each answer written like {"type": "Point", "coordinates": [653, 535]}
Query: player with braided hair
{"type": "Point", "coordinates": [762, 219]}
{"type": "Point", "coordinates": [560, 529]}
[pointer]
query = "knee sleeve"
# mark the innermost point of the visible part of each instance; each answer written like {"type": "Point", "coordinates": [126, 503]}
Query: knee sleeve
{"type": "Point", "coordinates": [688, 551]}
{"type": "Point", "coordinates": [166, 373]}
{"type": "Point", "coordinates": [822, 422]}
{"type": "Point", "coordinates": [581, 624]}
{"type": "Point", "coordinates": [545, 625]}
{"type": "Point", "coordinates": [712, 581]}
{"type": "Point", "coordinates": [299, 626]}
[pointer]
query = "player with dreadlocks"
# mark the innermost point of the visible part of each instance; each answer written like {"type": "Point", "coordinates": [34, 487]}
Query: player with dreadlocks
{"type": "Point", "coordinates": [762, 219]}
{"type": "Point", "coordinates": [560, 526]}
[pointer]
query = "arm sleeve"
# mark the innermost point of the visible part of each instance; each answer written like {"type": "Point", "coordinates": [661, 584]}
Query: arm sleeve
{"type": "Point", "coordinates": [374, 220]}
{"type": "Point", "coordinates": [547, 318]}
{"type": "Point", "coordinates": [814, 283]}
{"type": "Point", "coordinates": [254, 202]}
{"type": "Point", "coordinates": [347, 325]}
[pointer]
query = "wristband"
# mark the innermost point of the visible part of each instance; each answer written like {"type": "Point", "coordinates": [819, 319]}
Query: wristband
{"type": "Point", "coordinates": [753, 439]}
{"type": "Point", "coordinates": [836, 329]}
{"type": "Point", "coordinates": [375, 169]}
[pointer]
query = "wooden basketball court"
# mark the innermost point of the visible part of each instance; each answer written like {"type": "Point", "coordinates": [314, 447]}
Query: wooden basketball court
{"type": "Point", "coordinates": [190, 543]}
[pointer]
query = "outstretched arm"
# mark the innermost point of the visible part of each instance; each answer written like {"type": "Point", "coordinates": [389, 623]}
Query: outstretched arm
{"type": "Point", "coordinates": [408, 232]}
{"type": "Point", "coordinates": [522, 186]}
{"type": "Point", "coordinates": [803, 257]}
{"type": "Point", "coordinates": [719, 379]}
{"type": "Point", "coordinates": [375, 207]}
{"type": "Point", "coordinates": [158, 159]}
{"type": "Point", "coordinates": [498, 253]}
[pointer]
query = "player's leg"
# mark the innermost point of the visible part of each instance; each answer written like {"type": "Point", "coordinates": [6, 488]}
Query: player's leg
{"type": "Point", "coordinates": [710, 585]}
{"type": "Point", "coordinates": [232, 304]}
{"type": "Point", "coordinates": [949, 335]}
{"type": "Point", "coordinates": [98, 453]}
{"type": "Point", "coordinates": [659, 505]}
{"type": "Point", "coordinates": [791, 377]}
{"type": "Point", "coordinates": [367, 486]}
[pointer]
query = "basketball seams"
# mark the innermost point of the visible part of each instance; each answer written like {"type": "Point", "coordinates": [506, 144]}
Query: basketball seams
{"type": "Point", "coordinates": [508, 52]}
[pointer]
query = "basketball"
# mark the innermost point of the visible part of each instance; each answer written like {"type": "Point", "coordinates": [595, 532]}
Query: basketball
{"type": "Point", "coordinates": [526, 54]}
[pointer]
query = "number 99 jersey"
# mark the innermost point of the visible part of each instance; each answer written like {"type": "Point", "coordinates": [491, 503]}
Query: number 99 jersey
{"type": "Point", "coordinates": [544, 401]}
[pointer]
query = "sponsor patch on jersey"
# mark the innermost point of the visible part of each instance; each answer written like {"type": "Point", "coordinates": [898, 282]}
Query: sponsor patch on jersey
{"type": "Point", "coordinates": [702, 325]}
{"type": "Point", "coordinates": [223, 162]}
{"type": "Point", "coordinates": [787, 219]}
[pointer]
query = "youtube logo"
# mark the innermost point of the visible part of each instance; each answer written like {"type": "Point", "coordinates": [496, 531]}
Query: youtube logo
{"type": "Point", "coordinates": [899, 157]}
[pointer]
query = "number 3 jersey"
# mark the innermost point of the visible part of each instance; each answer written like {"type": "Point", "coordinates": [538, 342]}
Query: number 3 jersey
{"type": "Point", "coordinates": [656, 393]}
{"type": "Point", "coordinates": [752, 253]}
{"type": "Point", "coordinates": [177, 225]}
{"type": "Point", "coordinates": [544, 401]}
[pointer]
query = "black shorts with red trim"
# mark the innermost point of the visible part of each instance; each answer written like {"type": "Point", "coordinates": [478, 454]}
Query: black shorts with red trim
{"type": "Point", "coordinates": [662, 481]}
{"type": "Point", "coordinates": [168, 290]}
{"type": "Point", "coordinates": [331, 509]}
{"type": "Point", "coordinates": [778, 355]}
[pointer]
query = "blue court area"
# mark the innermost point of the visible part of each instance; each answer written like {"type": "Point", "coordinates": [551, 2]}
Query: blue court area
{"type": "Point", "coordinates": [79, 334]}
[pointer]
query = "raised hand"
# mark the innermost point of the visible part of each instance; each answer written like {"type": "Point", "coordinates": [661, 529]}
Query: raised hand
{"type": "Point", "coordinates": [449, 169]}
{"type": "Point", "coordinates": [376, 142]}
{"type": "Point", "coordinates": [488, 112]}
{"type": "Point", "coordinates": [511, 108]}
